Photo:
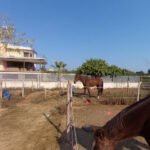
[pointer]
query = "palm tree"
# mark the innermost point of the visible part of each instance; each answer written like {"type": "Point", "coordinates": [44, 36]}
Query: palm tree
{"type": "Point", "coordinates": [60, 66]}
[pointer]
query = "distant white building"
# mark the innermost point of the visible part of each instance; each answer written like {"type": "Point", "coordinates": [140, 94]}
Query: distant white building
{"type": "Point", "coordinates": [18, 58]}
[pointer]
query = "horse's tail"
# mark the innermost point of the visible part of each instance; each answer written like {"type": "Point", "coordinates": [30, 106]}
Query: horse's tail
{"type": "Point", "coordinates": [101, 86]}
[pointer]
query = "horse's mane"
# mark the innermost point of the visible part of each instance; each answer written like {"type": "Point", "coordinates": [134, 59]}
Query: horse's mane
{"type": "Point", "coordinates": [132, 106]}
{"type": "Point", "coordinates": [143, 100]}
{"type": "Point", "coordinates": [119, 118]}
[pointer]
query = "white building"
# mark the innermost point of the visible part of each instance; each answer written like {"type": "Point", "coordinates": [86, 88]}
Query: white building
{"type": "Point", "coordinates": [18, 58]}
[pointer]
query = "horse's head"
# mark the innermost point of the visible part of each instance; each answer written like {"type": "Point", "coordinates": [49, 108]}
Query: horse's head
{"type": "Point", "coordinates": [98, 139]}
{"type": "Point", "coordinates": [77, 78]}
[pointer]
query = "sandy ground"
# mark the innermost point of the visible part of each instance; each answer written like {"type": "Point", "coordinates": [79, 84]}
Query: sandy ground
{"type": "Point", "coordinates": [26, 123]}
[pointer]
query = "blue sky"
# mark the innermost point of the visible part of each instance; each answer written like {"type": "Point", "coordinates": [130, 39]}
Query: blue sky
{"type": "Point", "coordinates": [73, 31]}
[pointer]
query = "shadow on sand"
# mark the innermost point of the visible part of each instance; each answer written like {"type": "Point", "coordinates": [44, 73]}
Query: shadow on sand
{"type": "Point", "coordinates": [85, 139]}
{"type": "Point", "coordinates": [132, 144]}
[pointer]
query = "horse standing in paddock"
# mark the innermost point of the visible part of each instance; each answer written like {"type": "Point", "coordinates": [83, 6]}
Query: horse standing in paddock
{"type": "Point", "coordinates": [90, 82]}
{"type": "Point", "coordinates": [130, 122]}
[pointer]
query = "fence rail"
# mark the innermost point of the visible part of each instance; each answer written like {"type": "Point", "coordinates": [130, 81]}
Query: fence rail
{"type": "Point", "coordinates": [53, 77]}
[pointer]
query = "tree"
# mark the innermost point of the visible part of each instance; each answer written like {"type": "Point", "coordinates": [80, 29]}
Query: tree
{"type": "Point", "coordinates": [127, 72]}
{"type": "Point", "coordinates": [140, 73]}
{"type": "Point", "coordinates": [114, 71]}
{"type": "Point", "coordinates": [148, 71]}
{"type": "Point", "coordinates": [9, 35]}
{"type": "Point", "coordinates": [99, 67]}
{"type": "Point", "coordinates": [59, 65]}
{"type": "Point", "coordinates": [96, 67]}
{"type": "Point", "coordinates": [7, 30]}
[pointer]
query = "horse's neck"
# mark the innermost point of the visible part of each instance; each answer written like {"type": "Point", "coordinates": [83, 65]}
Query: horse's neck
{"type": "Point", "coordinates": [140, 103]}
{"type": "Point", "coordinates": [83, 80]}
{"type": "Point", "coordinates": [128, 117]}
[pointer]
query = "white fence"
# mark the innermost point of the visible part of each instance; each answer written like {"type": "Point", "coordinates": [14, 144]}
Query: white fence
{"type": "Point", "coordinates": [63, 84]}
{"type": "Point", "coordinates": [50, 80]}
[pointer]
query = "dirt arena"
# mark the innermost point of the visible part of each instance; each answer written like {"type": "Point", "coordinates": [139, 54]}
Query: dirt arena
{"type": "Point", "coordinates": [26, 122]}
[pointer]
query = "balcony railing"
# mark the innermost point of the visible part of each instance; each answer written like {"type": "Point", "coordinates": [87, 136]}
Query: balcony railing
{"type": "Point", "coordinates": [17, 56]}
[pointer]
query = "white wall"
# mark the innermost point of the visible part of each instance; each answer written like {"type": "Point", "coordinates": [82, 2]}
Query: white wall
{"type": "Point", "coordinates": [50, 85]}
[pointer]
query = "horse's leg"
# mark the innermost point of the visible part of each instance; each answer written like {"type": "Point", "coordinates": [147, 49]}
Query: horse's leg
{"type": "Point", "coordinates": [98, 91]}
{"type": "Point", "coordinates": [89, 91]}
{"type": "Point", "coordinates": [101, 88]}
{"type": "Point", "coordinates": [84, 90]}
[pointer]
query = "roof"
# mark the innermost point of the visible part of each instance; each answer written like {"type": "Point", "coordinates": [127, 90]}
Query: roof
{"type": "Point", "coordinates": [11, 46]}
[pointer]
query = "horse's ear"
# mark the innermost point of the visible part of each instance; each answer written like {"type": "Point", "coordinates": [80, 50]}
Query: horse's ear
{"type": "Point", "coordinates": [94, 128]}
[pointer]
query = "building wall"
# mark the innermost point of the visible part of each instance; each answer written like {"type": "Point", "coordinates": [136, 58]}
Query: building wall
{"type": "Point", "coordinates": [14, 53]}
{"type": "Point", "coordinates": [2, 53]}
{"type": "Point", "coordinates": [2, 50]}
{"type": "Point", "coordinates": [19, 53]}
{"type": "Point", "coordinates": [1, 65]}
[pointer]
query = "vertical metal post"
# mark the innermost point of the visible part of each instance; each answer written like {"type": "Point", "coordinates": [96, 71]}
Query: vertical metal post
{"type": "Point", "coordinates": [139, 86]}
{"type": "Point", "coordinates": [5, 84]}
{"type": "Point", "coordinates": [39, 80]}
{"type": "Point", "coordinates": [1, 94]}
{"type": "Point", "coordinates": [68, 111]}
{"type": "Point", "coordinates": [45, 92]}
{"type": "Point", "coordinates": [23, 88]}
{"type": "Point", "coordinates": [128, 85]}
{"type": "Point", "coordinates": [32, 85]}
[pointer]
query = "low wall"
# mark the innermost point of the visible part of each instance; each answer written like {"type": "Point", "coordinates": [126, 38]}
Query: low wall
{"type": "Point", "coordinates": [50, 85]}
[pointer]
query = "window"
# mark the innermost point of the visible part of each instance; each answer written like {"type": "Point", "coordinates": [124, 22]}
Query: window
{"type": "Point", "coordinates": [26, 54]}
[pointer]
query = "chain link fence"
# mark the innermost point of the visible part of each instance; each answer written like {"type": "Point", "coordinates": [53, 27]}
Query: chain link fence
{"type": "Point", "coordinates": [54, 77]}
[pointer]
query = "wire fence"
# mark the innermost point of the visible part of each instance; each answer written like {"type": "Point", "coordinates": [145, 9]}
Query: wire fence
{"type": "Point", "coordinates": [53, 77]}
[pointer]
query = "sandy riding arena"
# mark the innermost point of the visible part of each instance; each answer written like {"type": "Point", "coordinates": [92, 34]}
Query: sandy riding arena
{"type": "Point", "coordinates": [38, 123]}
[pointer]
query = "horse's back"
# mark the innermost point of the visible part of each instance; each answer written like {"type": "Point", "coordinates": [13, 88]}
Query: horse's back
{"type": "Point", "coordinates": [94, 81]}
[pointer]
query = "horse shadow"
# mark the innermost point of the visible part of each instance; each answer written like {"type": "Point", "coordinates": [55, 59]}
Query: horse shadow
{"type": "Point", "coordinates": [85, 139]}
{"type": "Point", "coordinates": [83, 95]}
{"type": "Point", "coordinates": [76, 94]}
{"type": "Point", "coordinates": [79, 94]}
{"type": "Point", "coordinates": [132, 144]}
{"type": "Point", "coordinates": [81, 140]}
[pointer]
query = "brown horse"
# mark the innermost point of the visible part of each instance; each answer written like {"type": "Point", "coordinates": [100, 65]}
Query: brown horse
{"type": "Point", "coordinates": [90, 82]}
{"type": "Point", "coordinates": [130, 122]}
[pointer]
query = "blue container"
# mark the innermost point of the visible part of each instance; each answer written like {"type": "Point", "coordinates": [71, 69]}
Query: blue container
{"type": "Point", "coordinates": [6, 94]}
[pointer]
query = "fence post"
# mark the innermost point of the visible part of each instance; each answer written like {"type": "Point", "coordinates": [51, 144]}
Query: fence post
{"type": "Point", "coordinates": [23, 88]}
{"type": "Point", "coordinates": [39, 79]}
{"type": "Point", "coordinates": [5, 84]}
{"type": "Point", "coordinates": [128, 85]}
{"type": "Point", "coordinates": [71, 132]}
{"type": "Point", "coordinates": [68, 111]}
{"type": "Point", "coordinates": [139, 86]}
{"type": "Point", "coordinates": [45, 92]}
{"type": "Point", "coordinates": [32, 85]}
{"type": "Point", "coordinates": [1, 94]}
